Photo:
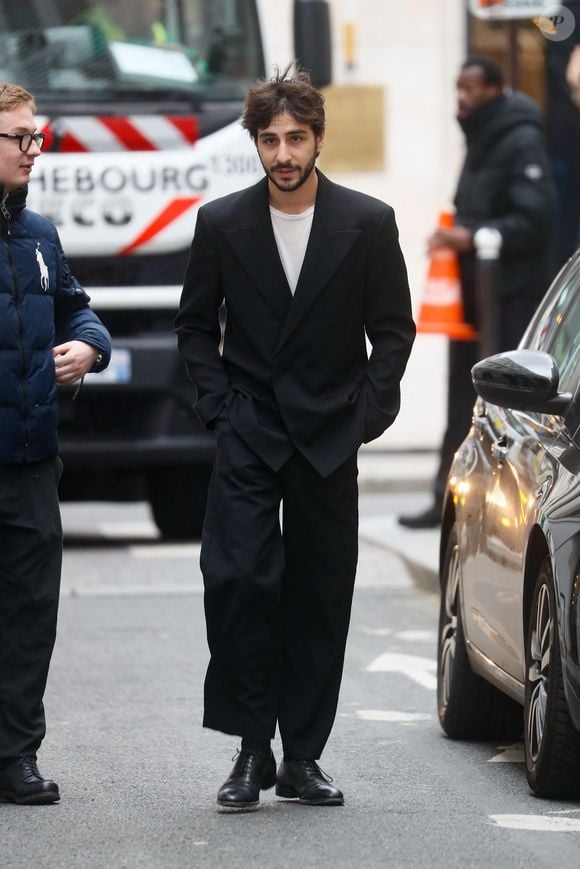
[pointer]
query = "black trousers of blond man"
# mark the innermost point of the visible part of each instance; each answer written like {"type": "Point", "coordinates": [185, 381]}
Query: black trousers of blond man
{"type": "Point", "coordinates": [277, 600]}
{"type": "Point", "coordinates": [30, 567]}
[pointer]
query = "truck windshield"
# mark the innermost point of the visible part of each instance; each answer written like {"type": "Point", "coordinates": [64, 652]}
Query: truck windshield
{"type": "Point", "coordinates": [74, 49]}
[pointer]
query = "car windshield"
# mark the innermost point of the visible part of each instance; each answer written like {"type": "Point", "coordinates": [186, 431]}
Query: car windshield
{"type": "Point", "coordinates": [73, 49]}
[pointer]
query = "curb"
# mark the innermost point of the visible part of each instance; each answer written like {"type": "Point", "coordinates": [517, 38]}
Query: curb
{"type": "Point", "coordinates": [396, 471]}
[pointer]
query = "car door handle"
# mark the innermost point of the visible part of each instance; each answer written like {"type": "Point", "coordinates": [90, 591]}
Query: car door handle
{"type": "Point", "coordinates": [499, 449]}
{"type": "Point", "coordinates": [479, 415]}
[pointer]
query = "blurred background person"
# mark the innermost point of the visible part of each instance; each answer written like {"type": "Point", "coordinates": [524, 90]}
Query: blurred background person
{"type": "Point", "coordinates": [125, 20]}
{"type": "Point", "coordinates": [505, 183]}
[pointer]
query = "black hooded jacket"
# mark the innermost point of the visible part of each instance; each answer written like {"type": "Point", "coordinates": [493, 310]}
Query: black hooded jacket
{"type": "Point", "coordinates": [505, 183]}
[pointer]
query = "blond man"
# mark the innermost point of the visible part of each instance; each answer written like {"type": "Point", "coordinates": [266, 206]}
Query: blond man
{"type": "Point", "coordinates": [48, 336]}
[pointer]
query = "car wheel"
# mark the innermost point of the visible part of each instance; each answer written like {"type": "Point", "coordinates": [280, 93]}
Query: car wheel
{"type": "Point", "coordinates": [177, 497]}
{"type": "Point", "coordinates": [468, 706]}
{"type": "Point", "coordinates": [552, 745]}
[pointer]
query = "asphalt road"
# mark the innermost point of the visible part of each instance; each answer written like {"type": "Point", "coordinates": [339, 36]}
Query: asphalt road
{"type": "Point", "coordinates": [139, 776]}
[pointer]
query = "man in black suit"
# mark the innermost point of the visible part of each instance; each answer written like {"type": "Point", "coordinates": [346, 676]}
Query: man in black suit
{"type": "Point", "coordinates": [306, 269]}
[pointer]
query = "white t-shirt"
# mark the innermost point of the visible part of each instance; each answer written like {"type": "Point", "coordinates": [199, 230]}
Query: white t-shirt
{"type": "Point", "coordinates": [292, 232]}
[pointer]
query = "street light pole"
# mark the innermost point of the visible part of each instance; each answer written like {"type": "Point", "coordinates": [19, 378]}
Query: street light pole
{"type": "Point", "coordinates": [488, 242]}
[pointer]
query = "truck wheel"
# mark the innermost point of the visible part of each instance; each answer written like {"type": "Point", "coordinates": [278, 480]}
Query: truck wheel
{"type": "Point", "coordinates": [177, 497]}
{"type": "Point", "coordinates": [552, 745]}
{"type": "Point", "coordinates": [468, 706]}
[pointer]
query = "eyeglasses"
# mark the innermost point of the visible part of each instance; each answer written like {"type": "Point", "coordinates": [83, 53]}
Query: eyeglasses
{"type": "Point", "coordinates": [25, 140]}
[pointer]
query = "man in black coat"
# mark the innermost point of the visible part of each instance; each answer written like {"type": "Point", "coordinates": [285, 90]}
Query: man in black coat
{"type": "Point", "coordinates": [505, 184]}
{"type": "Point", "coordinates": [563, 135]}
{"type": "Point", "coordinates": [307, 270]}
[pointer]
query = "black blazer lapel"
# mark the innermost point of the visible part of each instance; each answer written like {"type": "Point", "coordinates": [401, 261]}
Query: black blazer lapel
{"type": "Point", "coordinates": [254, 245]}
{"type": "Point", "coordinates": [327, 248]}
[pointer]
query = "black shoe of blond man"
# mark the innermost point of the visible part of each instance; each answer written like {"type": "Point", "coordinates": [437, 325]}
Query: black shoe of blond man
{"type": "Point", "coordinates": [21, 782]}
{"type": "Point", "coordinates": [305, 781]}
{"type": "Point", "coordinates": [253, 772]}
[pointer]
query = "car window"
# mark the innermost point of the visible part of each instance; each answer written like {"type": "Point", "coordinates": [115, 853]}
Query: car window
{"type": "Point", "coordinates": [565, 346]}
{"type": "Point", "coordinates": [556, 327]}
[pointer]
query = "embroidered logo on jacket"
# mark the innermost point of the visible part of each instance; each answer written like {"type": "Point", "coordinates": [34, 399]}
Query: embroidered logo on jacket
{"type": "Point", "coordinates": [44, 277]}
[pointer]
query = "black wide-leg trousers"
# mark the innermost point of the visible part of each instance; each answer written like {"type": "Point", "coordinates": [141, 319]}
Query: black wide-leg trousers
{"type": "Point", "coordinates": [30, 568]}
{"type": "Point", "coordinates": [277, 596]}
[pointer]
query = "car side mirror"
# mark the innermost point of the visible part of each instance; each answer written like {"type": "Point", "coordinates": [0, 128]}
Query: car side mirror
{"type": "Point", "coordinates": [521, 380]}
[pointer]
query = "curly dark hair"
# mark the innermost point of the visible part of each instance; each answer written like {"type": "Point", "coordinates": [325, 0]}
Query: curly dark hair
{"type": "Point", "coordinates": [291, 92]}
{"type": "Point", "coordinates": [492, 71]}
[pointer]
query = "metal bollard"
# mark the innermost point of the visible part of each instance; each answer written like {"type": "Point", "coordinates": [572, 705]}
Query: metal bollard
{"type": "Point", "coordinates": [488, 242]}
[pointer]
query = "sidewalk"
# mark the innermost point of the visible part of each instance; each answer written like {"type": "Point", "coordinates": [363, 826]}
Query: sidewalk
{"type": "Point", "coordinates": [395, 470]}
{"type": "Point", "coordinates": [393, 483]}
{"type": "Point", "coordinates": [405, 474]}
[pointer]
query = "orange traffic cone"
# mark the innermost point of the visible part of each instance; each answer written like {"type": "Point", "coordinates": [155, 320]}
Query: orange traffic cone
{"type": "Point", "coordinates": [442, 307]}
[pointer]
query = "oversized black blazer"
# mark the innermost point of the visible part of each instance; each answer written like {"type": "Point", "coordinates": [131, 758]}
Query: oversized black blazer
{"type": "Point", "coordinates": [301, 358]}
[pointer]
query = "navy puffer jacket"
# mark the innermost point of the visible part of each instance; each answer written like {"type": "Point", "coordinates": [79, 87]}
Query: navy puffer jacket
{"type": "Point", "coordinates": [41, 305]}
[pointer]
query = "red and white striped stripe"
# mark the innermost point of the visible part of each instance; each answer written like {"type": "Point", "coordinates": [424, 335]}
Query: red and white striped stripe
{"type": "Point", "coordinates": [106, 133]}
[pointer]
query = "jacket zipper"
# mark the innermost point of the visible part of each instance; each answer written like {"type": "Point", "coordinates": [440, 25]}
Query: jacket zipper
{"type": "Point", "coordinates": [6, 234]}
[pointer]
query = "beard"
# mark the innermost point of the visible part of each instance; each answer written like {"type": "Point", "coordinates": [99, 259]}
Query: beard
{"type": "Point", "coordinates": [289, 186]}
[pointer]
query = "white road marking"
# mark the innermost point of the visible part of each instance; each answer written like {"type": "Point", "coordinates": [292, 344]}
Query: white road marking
{"type": "Point", "coordinates": [509, 754]}
{"type": "Point", "coordinates": [411, 636]}
{"type": "Point", "coordinates": [420, 670]}
{"type": "Point", "coordinates": [376, 632]}
{"type": "Point", "coordinates": [540, 823]}
{"type": "Point", "coordinates": [416, 636]}
{"type": "Point", "coordinates": [391, 716]}
{"type": "Point", "coordinates": [136, 590]}
{"type": "Point", "coordinates": [166, 550]}
{"type": "Point", "coordinates": [117, 530]}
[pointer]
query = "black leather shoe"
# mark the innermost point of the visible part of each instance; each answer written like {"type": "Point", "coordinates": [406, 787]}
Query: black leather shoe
{"type": "Point", "coordinates": [429, 518]}
{"type": "Point", "coordinates": [305, 781]}
{"type": "Point", "coordinates": [21, 782]}
{"type": "Point", "coordinates": [252, 773]}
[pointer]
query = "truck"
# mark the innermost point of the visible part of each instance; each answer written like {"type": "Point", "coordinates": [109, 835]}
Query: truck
{"type": "Point", "coordinates": [140, 102]}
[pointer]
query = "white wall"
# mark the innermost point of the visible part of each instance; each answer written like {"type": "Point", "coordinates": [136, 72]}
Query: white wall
{"type": "Point", "coordinates": [414, 49]}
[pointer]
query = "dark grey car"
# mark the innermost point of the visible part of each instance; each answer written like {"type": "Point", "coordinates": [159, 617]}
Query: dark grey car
{"type": "Point", "coordinates": [509, 628]}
